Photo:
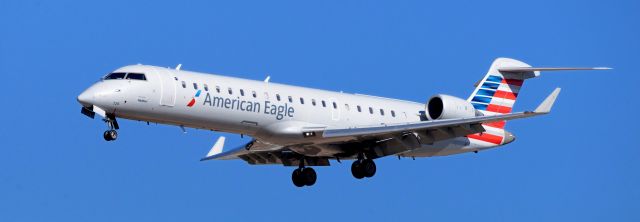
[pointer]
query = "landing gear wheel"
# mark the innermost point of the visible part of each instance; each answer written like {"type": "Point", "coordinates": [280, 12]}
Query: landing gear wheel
{"type": "Point", "coordinates": [297, 179]}
{"type": "Point", "coordinates": [356, 169]}
{"type": "Point", "coordinates": [309, 175]}
{"type": "Point", "coordinates": [110, 135]}
{"type": "Point", "coordinates": [368, 168]}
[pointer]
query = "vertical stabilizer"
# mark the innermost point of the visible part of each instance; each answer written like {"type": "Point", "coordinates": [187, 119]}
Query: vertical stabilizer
{"type": "Point", "coordinates": [497, 92]}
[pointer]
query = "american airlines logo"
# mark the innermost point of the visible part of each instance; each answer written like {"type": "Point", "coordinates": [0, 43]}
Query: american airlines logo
{"type": "Point", "coordinates": [193, 100]}
{"type": "Point", "coordinates": [279, 111]}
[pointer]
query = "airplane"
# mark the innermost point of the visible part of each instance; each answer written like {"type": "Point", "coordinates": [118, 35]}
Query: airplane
{"type": "Point", "coordinates": [305, 127]}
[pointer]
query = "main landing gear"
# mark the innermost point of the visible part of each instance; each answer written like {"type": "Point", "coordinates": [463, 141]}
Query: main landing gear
{"type": "Point", "coordinates": [304, 176]}
{"type": "Point", "coordinates": [362, 168]}
{"type": "Point", "coordinates": [111, 134]}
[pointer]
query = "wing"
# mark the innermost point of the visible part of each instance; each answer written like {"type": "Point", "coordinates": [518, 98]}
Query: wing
{"type": "Point", "coordinates": [461, 126]}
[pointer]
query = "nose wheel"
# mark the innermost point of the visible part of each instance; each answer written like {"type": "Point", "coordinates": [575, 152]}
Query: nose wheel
{"type": "Point", "coordinates": [110, 135]}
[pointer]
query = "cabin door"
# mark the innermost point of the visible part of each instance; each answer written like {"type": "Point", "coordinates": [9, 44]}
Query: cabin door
{"type": "Point", "coordinates": [167, 88]}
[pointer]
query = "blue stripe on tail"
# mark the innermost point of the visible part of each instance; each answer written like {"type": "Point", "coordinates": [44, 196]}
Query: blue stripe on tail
{"type": "Point", "coordinates": [481, 99]}
{"type": "Point", "coordinates": [494, 78]}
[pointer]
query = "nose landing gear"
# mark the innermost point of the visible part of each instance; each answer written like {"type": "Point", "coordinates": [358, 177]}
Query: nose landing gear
{"type": "Point", "coordinates": [111, 134]}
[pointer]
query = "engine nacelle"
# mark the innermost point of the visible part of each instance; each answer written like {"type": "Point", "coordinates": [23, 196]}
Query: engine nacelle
{"type": "Point", "coordinates": [448, 107]}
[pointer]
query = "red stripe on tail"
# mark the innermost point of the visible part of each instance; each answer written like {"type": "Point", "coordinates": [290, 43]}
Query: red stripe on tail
{"type": "Point", "coordinates": [498, 108]}
{"type": "Point", "coordinates": [506, 95]}
{"type": "Point", "coordinates": [515, 82]}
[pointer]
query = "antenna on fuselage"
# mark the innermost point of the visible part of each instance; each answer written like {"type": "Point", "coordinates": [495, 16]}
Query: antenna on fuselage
{"type": "Point", "coordinates": [179, 66]}
{"type": "Point", "coordinates": [267, 79]}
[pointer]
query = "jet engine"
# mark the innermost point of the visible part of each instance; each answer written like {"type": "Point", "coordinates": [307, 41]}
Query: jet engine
{"type": "Point", "coordinates": [448, 107]}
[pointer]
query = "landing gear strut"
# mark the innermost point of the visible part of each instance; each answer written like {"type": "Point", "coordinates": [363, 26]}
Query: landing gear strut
{"type": "Point", "coordinates": [362, 168]}
{"type": "Point", "coordinates": [304, 176]}
{"type": "Point", "coordinates": [111, 134]}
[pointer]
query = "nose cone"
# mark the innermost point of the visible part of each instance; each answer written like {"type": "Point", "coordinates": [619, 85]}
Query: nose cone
{"type": "Point", "coordinates": [86, 98]}
{"type": "Point", "coordinates": [508, 137]}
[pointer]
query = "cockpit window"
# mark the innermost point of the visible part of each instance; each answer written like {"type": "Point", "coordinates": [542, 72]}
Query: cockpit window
{"type": "Point", "coordinates": [124, 75]}
{"type": "Point", "coordinates": [115, 75]}
{"type": "Point", "coordinates": [137, 76]}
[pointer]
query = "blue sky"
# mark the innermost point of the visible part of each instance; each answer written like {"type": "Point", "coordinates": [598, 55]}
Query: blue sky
{"type": "Point", "coordinates": [580, 163]}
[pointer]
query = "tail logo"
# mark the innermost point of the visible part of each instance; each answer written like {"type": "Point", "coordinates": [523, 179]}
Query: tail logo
{"type": "Point", "coordinates": [193, 99]}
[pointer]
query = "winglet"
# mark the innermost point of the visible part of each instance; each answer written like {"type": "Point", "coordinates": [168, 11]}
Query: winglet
{"type": "Point", "coordinates": [545, 106]}
{"type": "Point", "coordinates": [216, 149]}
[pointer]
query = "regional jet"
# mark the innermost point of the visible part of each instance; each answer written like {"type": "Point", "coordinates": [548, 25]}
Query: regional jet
{"type": "Point", "coordinates": [304, 127]}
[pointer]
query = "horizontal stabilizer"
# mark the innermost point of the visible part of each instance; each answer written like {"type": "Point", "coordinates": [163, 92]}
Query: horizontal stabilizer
{"type": "Point", "coordinates": [216, 149]}
{"type": "Point", "coordinates": [545, 106]}
{"type": "Point", "coordinates": [533, 69]}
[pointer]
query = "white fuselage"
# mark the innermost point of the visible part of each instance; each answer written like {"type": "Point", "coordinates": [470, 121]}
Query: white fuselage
{"type": "Point", "coordinates": [274, 113]}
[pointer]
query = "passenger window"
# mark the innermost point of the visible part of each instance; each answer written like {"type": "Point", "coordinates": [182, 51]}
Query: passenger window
{"type": "Point", "coordinates": [290, 99]}
{"type": "Point", "coordinates": [313, 102]}
{"type": "Point", "coordinates": [393, 113]}
{"type": "Point", "coordinates": [359, 109]}
{"type": "Point", "coordinates": [335, 106]}
{"type": "Point", "coordinates": [278, 97]}
{"type": "Point", "coordinates": [301, 100]}
{"type": "Point", "coordinates": [381, 112]}
{"type": "Point", "coordinates": [115, 75]}
{"type": "Point", "coordinates": [241, 92]}
{"type": "Point", "coordinates": [206, 88]}
{"type": "Point", "coordinates": [370, 110]}
{"type": "Point", "coordinates": [195, 85]}
{"type": "Point", "coordinates": [136, 76]}
{"type": "Point", "coordinates": [218, 89]}
{"type": "Point", "coordinates": [324, 104]}
{"type": "Point", "coordinates": [266, 95]}
{"type": "Point", "coordinates": [254, 94]}
{"type": "Point", "coordinates": [230, 91]}
{"type": "Point", "coordinates": [346, 107]}
{"type": "Point", "coordinates": [184, 84]}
